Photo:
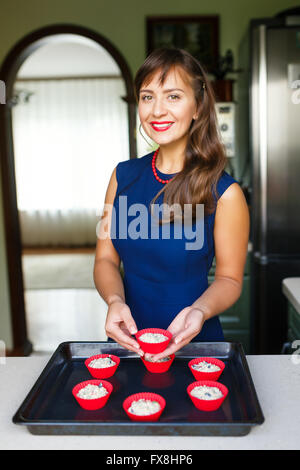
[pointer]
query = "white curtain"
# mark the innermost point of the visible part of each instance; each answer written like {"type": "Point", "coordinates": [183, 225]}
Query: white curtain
{"type": "Point", "coordinates": [68, 138]}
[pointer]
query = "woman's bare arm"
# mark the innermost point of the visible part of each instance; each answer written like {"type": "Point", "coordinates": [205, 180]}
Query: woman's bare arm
{"type": "Point", "coordinates": [231, 235]}
{"type": "Point", "coordinates": [107, 277]}
{"type": "Point", "coordinates": [108, 281]}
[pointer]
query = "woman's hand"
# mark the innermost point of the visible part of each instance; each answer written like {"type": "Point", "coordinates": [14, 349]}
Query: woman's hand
{"type": "Point", "coordinates": [185, 326]}
{"type": "Point", "coordinates": [120, 325]}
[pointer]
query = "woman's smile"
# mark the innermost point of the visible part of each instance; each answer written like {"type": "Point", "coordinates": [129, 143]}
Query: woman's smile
{"type": "Point", "coordinates": [161, 126]}
{"type": "Point", "coordinates": [167, 109]}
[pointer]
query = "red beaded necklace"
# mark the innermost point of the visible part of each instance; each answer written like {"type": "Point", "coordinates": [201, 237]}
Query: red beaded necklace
{"type": "Point", "coordinates": [154, 170]}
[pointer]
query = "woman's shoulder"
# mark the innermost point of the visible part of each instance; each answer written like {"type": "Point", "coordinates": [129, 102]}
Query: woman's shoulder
{"type": "Point", "coordinates": [133, 163]}
{"type": "Point", "coordinates": [224, 182]}
{"type": "Point", "coordinates": [128, 170]}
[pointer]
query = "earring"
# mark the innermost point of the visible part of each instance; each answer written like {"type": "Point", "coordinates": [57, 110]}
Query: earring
{"type": "Point", "coordinates": [140, 127]}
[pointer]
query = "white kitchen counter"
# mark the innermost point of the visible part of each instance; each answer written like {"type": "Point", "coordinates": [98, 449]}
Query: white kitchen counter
{"type": "Point", "coordinates": [291, 289]}
{"type": "Point", "coordinates": [277, 383]}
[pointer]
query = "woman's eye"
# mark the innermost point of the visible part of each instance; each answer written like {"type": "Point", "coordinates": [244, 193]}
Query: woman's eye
{"type": "Point", "coordinates": [150, 97]}
{"type": "Point", "coordinates": [146, 98]}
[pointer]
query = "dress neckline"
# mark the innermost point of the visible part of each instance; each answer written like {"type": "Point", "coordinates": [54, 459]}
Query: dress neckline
{"type": "Point", "coordinates": [167, 175]}
{"type": "Point", "coordinates": [164, 175]}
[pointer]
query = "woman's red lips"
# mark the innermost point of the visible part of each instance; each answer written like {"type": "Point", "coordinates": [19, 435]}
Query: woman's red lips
{"type": "Point", "coordinates": [161, 126]}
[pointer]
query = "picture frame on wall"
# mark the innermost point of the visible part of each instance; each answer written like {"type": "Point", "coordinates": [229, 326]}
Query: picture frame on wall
{"type": "Point", "coordinates": [198, 35]}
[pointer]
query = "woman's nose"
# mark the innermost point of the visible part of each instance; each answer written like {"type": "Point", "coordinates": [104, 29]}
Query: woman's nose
{"type": "Point", "coordinates": [159, 108]}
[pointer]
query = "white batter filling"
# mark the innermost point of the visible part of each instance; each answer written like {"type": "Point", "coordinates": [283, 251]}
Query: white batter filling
{"type": "Point", "coordinates": [144, 407]}
{"type": "Point", "coordinates": [101, 363]}
{"type": "Point", "coordinates": [153, 338]}
{"type": "Point", "coordinates": [163, 359]}
{"type": "Point", "coordinates": [204, 366]}
{"type": "Point", "coordinates": [91, 391]}
{"type": "Point", "coordinates": [206, 393]}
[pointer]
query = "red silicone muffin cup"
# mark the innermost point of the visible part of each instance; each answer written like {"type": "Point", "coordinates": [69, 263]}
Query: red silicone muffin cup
{"type": "Point", "coordinates": [158, 367]}
{"type": "Point", "coordinates": [153, 348]}
{"type": "Point", "coordinates": [207, 405]}
{"type": "Point", "coordinates": [94, 403]}
{"type": "Point", "coordinates": [207, 375]}
{"type": "Point", "coordinates": [102, 372]}
{"type": "Point", "coordinates": [147, 396]}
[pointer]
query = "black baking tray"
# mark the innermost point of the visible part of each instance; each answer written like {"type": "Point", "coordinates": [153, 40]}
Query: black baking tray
{"type": "Point", "coordinates": [51, 409]}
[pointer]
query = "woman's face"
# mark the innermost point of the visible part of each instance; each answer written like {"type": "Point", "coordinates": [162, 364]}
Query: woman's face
{"type": "Point", "coordinates": [166, 110]}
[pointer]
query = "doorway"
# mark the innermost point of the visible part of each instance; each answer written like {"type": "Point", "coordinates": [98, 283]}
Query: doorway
{"type": "Point", "coordinates": [71, 120]}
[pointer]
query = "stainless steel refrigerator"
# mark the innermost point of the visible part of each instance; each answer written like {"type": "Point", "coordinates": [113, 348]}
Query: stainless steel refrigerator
{"type": "Point", "coordinates": [274, 149]}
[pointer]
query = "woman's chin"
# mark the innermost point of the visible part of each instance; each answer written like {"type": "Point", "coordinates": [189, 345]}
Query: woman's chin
{"type": "Point", "coordinates": [162, 140]}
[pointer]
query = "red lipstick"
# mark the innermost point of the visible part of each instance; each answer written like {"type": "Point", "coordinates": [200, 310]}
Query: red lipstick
{"type": "Point", "coordinates": [161, 126]}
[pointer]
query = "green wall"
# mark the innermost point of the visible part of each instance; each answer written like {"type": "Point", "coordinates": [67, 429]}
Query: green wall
{"type": "Point", "coordinates": [123, 23]}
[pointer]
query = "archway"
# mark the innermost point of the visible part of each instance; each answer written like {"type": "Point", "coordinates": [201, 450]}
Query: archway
{"type": "Point", "coordinates": [15, 58]}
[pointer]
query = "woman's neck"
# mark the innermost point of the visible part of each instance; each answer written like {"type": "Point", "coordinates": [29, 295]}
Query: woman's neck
{"type": "Point", "coordinates": [170, 159]}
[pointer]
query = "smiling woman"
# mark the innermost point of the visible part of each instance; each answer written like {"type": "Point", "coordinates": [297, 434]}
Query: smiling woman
{"type": "Point", "coordinates": [175, 100]}
{"type": "Point", "coordinates": [179, 88]}
{"type": "Point", "coordinates": [165, 283]}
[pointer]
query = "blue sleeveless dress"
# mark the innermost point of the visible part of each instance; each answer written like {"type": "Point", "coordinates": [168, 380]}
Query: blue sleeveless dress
{"type": "Point", "coordinates": [161, 276]}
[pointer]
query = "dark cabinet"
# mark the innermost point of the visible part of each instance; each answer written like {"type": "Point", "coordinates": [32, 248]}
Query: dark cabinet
{"type": "Point", "coordinates": [236, 319]}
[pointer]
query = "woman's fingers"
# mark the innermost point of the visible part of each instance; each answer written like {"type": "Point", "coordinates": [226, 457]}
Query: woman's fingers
{"type": "Point", "coordinates": [171, 349]}
{"type": "Point", "coordinates": [178, 323]}
{"type": "Point", "coordinates": [118, 334]}
{"type": "Point", "coordinates": [191, 325]}
{"type": "Point", "coordinates": [183, 338]}
{"type": "Point", "coordinates": [129, 322]}
{"type": "Point", "coordinates": [183, 335]}
{"type": "Point", "coordinates": [130, 348]}
{"type": "Point", "coordinates": [120, 325]}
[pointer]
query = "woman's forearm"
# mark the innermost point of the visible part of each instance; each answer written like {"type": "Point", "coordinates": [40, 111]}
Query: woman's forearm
{"type": "Point", "coordinates": [108, 281]}
{"type": "Point", "coordinates": [220, 295]}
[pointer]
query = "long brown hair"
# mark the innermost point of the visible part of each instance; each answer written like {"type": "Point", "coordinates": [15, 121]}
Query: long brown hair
{"type": "Point", "coordinates": [205, 157]}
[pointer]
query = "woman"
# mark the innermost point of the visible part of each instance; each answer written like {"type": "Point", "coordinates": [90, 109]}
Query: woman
{"type": "Point", "coordinates": [165, 283]}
